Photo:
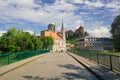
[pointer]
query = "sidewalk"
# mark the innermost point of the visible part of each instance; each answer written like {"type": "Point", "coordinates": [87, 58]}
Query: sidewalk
{"type": "Point", "coordinates": [103, 72]}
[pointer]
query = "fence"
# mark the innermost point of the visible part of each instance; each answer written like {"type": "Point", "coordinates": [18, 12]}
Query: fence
{"type": "Point", "coordinates": [17, 56]}
{"type": "Point", "coordinates": [110, 61]}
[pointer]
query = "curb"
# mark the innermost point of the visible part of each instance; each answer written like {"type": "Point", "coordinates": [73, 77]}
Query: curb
{"type": "Point", "coordinates": [101, 71]}
{"type": "Point", "coordinates": [99, 77]}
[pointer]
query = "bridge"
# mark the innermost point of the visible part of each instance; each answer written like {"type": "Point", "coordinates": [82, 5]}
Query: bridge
{"type": "Point", "coordinates": [56, 66]}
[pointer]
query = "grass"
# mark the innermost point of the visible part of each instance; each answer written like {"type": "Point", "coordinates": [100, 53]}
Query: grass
{"type": "Point", "coordinates": [112, 53]}
{"type": "Point", "coordinates": [3, 61]}
{"type": "Point", "coordinates": [72, 41]}
{"type": "Point", "coordinates": [109, 53]}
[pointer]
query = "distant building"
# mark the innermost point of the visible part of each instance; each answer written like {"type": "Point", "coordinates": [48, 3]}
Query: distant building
{"type": "Point", "coordinates": [95, 43]}
{"type": "Point", "coordinates": [69, 33]}
{"type": "Point", "coordinates": [59, 40]}
{"type": "Point", "coordinates": [79, 32]}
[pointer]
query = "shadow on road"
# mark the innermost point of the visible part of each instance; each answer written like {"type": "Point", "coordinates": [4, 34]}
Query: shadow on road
{"type": "Point", "coordinates": [78, 74]}
{"type": "Point", "coordinates": [106, 73]}
{"type": "Point", "coordinates": [81, 73]}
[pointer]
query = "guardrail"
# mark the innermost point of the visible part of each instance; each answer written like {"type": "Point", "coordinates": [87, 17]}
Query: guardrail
{"type": "Point", "coordinates": [110, 61]}
{"type": "Point", "coordinates": [9, 58]}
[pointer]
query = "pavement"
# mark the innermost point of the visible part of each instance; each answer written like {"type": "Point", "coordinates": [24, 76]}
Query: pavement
{"type": "Point", "coordinates": [52, 66]}
{"type": "Point", "coordinates": [100, 70]}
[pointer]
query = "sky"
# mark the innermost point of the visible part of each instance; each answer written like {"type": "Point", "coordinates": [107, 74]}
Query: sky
{"type": "Point", "coordinates": [34, 15]}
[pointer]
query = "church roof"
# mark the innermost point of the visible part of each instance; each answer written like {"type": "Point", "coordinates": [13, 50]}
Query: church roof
{"type": "Point", "coordinates": [55, 36]}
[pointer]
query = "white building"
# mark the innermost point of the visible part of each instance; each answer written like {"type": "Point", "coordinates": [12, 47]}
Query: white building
{"type": "Point", "coordinates": [59, 40]}
{"type": "Point", "coordinates": [95, 43]}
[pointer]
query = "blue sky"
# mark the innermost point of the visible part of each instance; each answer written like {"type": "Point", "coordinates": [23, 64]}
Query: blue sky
{"type": "Point", "coordinates": [35, 15]}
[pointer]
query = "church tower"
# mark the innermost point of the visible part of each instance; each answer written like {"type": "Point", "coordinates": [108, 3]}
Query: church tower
{"type": "Point", "coordinates": [51, 27]}
{"type": "Point", "coordinates": [63, 36]}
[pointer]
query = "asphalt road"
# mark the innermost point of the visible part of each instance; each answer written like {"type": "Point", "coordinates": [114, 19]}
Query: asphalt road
{"type": "Point", "coordinates": [53, 66]}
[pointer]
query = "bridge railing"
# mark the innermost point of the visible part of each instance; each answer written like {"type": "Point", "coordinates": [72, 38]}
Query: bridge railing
{"type": "Point", "coordinates": [110, 61]}
{"type": "Point", "coordinates": [9, 58]}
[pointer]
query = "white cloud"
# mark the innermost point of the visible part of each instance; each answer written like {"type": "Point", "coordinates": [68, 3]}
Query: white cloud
{"type": "Point", "coordinates": [100, 32]}
{"type": "Point", "coordinates": [48, 13]}
{"type": "Point", "coordinates": [98, 4]}
{"type": "Point", "coordinates": [94, 4]}
{"type": "Point", "coordinates": [2, 32]}
{"type": "Point", "coordinates": [45, 13]}
{"type": "Point", "coordinates": [77, 1]}
{"type": "Point", "coordinates": [78, 23]}
{"type": "Point", "coordinates": [114, 5]}
{"type": "Point", "coordinates": [30, 31]}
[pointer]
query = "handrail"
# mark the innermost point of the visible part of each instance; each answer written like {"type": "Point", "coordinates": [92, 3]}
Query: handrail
{"type": "Point", "coordinates": [8, 58]}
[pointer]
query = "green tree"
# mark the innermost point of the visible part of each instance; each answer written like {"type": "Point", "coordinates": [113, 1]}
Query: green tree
{"type": "Point", "coordinates": [86, 34]}
{"type": "Point", "coordinates": [115, 31]}
{"type": "Point", "coordinates": [16, 40]}
{"type": "Point", "coordinates": [3, 45]}
{"type": "Point", "coordinates": [38, 44]}
{"type": "Point", "coordinates": [30, 46]}
{"type": "Point", "coordinates": [26, 38]}
{"type": "Point", "coordinates": [7, 42]}
{"type": "Point", "coordinates": [47, 42]}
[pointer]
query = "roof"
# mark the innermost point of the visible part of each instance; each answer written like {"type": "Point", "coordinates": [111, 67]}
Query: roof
{"type": "Point", "coordinates": [55, 36]}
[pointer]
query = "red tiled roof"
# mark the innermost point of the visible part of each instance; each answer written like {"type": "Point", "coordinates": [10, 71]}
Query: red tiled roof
{"type": "Point", "coordinates": [55, 36]}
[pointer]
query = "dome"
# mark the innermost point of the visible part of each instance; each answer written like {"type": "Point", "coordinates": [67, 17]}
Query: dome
{"type": "Point", "coordinates": [51, 27]}
{"type": "Point", "coordinates": [52, 23]}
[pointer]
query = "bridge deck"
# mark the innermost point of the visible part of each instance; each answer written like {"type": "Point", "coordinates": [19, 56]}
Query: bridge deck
{"type": "Point", "coordinates": [53, 66]}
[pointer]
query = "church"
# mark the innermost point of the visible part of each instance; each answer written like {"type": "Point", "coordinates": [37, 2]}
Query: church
{"type": "Point", "coordinates": [59, 37]}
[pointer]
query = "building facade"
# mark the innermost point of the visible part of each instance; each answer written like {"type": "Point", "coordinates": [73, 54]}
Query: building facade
{"type": "Point", "coordinates": [95, 43]}
{"type": "Point", "coordinates": [59, 39]}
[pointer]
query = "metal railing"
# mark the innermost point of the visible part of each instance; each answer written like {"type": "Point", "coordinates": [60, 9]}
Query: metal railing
{"type": "Point", "coordinates": [110, 61]}
{"type": "Point", "coordinates": [9, 58]}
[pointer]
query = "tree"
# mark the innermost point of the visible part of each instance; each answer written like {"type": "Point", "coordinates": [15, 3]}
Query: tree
{"type": "Point", "coordinates": [86, 34]}
{"type": "Point", "coordinates": [38, 44]}
{"type": "Point", "coordinates": [16, 40]}
{"type": "Point", "coordinates": [69, 35]}
{"type": "Point", "coordinates": [47, 42]}
{"type": "Point", "coordinates": [79, 33]}
{"type": "Point", "coordinates": [7, 42]}
{"type": "Point", "coordinates": [73, 37]}
{"type": "Point", "coordinates": [115, 31]}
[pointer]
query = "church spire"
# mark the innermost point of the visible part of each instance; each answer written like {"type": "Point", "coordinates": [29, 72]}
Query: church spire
{"type": "Point", "coordinates": [62, 28]}
{"type": "Point", "coordinates": [62, 31]}
{"type": "Point", "coordinates": [63, 36]}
